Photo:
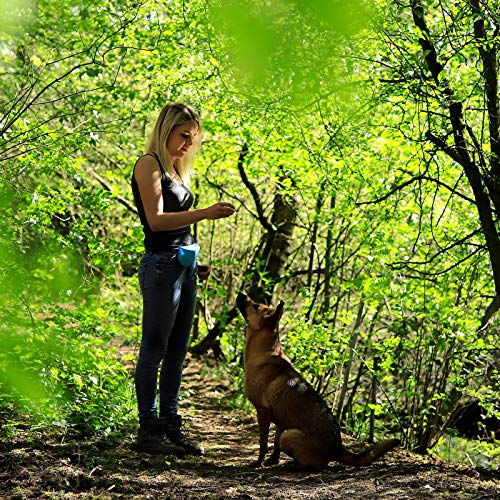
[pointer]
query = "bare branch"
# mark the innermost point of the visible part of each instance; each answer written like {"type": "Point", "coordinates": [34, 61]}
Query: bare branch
{"type": "Point", "coordinates": [255, 195]}
{"type": "Point", "coordinates": [107, 187]}
{"type": "Point", "coordinates": [402, 265]}
{"type": "Point", "coordinates": [441, 144]}
{"type": "Point", "coordinates": [428, 48]}
{"type": "Point", "coordinates": [411, 181]}
{"type": "Point", "coordinates": [491, 310]}
{"type": "Point", "coordinates": [488, 53]}
{"type": "Point", "coordinates": [28, 102]}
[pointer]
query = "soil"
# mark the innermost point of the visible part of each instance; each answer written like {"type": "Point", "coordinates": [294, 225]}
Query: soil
{"type": "Point", "coordinates": [48, 468]}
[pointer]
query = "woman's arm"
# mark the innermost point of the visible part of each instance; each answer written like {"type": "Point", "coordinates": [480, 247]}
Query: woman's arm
{"type": "Point", "coordinates": [148, 176]}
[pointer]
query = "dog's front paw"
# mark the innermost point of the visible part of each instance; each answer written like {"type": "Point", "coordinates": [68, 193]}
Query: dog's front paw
{"type": "Point", "coordinates": [256, 464]}
{"type": "Point", "coordinates": [272, 461]}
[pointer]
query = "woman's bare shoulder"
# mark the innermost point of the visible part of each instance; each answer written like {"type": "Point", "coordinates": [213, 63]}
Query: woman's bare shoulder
{"type": "Point", "coordinates": [146, 165]}
{"type": "Point", "coordinates": [147, 160]}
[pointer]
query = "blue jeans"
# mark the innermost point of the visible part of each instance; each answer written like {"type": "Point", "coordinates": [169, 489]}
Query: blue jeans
{"type": "Point", "coordinates": [169, 300]}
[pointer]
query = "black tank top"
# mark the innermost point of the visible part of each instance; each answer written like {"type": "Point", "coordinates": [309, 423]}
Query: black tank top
{"type": "Point", "coordinates": [176, 198]}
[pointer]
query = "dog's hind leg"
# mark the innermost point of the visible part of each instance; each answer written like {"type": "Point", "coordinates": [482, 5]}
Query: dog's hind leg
{"type": "Point", "coordinates": [308, 452]}
{"type": "Point", "coordinates": [264, 421]}
{"type": "Point", "coordinates": [275, 455]}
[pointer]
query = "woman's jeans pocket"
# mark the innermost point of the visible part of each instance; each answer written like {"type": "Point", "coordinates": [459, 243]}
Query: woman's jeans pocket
{"type": "Point", "coordinates": [147, 262]}
{"type": "Point", "coordinates": [156, 268]}
{"type": "Point", "coordinates": [167, 262]}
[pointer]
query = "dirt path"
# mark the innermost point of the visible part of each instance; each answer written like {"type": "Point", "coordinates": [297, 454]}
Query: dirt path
{"type": "Point", "coordinates": [38, 470]}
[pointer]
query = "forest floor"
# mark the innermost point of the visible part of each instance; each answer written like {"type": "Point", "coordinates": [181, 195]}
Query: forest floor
{"type": "Point", "coordinates": [51, 468]}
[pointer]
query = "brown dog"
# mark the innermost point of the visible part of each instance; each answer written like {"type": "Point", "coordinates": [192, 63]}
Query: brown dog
{"type": "Point", "coordinates": [306, 429]}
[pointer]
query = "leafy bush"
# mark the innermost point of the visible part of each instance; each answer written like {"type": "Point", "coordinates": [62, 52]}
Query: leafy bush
{"type": "Point", "coordinates": [55, 367]}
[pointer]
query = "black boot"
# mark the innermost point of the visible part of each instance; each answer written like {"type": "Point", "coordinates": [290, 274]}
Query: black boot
{"type": "Point", "coordinates": [174, 428]}
{"type": "Point", "coordinates": [152, 439]}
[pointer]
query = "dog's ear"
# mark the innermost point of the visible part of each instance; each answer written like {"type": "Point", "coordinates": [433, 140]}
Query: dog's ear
{"type": "Point", "coordinates": [275, 317]}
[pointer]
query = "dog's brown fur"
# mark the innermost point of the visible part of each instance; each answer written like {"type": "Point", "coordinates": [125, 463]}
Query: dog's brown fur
{"type": "Point", "coordinates": [306, 429]}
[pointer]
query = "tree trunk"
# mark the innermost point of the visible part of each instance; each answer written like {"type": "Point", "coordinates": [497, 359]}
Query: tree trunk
{"type": "Point", "coordinates": [275, 250]}
{"type": "Point", "coordinates": [483, 182]}
{"type": "Point", "coordinates": [270, 259]}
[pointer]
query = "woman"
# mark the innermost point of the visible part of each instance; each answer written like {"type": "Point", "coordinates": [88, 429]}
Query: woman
{"type": "Point", "coordinates": [160, 184]}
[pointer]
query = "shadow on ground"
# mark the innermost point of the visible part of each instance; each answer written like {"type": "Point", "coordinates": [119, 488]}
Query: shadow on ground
{"type": "Point", "coordinates": [51, 468]}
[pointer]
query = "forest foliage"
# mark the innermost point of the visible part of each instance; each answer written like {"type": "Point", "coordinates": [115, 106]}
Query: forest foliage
{"type": "Point", "coordinates": [361, 147]}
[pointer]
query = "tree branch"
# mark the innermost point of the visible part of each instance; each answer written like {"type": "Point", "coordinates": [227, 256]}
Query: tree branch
{"type": "Point", "coordinates": [428, 48]}
{"type": "Point", "coordinates": [411, 181]}
{"type": "Point", "coordinates": [403, 265]}
{"type": "Point", "coordinates": [107, 187]}
{"type": "Point", "coordinates": [488, 53]}
{"type": "Point", "coordinates": [444, 147]}
{"type": "Point", "coordinates": [255, 195]}
{"type": "Point", "coordinates": [210, 341]}
{"type": "Point", "coordinates": [491, 310]}
{"type": "Point", "coordinates": [443, 250]}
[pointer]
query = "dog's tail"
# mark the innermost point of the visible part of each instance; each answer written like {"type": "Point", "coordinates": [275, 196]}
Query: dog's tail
{"type": "Point", "coordinates": [368, 456]}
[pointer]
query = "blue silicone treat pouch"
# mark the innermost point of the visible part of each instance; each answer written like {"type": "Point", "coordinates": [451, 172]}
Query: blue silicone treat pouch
{"type": "Point", "coordinates": [187, 254]}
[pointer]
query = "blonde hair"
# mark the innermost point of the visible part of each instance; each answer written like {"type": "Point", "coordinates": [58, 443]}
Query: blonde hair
{"type": "Point", "coordinates": [173, 115]}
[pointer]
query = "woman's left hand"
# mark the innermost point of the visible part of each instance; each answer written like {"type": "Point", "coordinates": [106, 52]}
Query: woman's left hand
{"type": "Point", "coordinates": [203, 271]}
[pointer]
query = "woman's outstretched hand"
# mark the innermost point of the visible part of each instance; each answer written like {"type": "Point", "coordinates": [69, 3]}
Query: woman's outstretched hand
{"type": "Point", "coordinates": [220, 210]}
